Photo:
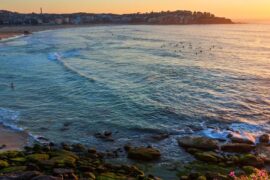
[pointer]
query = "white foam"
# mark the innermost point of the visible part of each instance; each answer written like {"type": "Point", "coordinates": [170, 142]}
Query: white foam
{"type": "Point", "coordinates": [10, 118]}
{"type": "Point", "coordinates": [216, 133]}
{"type": "Point", "coordinates": [11, 38]}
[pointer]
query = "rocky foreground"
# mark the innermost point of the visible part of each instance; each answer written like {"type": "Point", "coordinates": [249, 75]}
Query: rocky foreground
{"type": "Point", "coordinates": [238, 158]}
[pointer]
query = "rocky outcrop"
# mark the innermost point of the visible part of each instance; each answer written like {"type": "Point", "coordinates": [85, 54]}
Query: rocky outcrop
{"type": "Point", "coordinates": [198, 142]}
{"type": "Point", "coordinates": [144, 153]}
{"type": "Point", "coordinates": [264, 138]}
{"type": "Point", "coordinates": [242, 137]}
{"type": "Point", "coordinates": [53, 162]}
{"type": "Point", "coordinates": [237, 147]}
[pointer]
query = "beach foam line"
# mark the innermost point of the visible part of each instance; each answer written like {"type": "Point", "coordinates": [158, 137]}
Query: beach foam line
{"type": "Point", "coordinates": [9, 119]}
{"type": "Point", "coordinates": [68, 54]}
{"type": "Point", "coordinates": [11, 38]}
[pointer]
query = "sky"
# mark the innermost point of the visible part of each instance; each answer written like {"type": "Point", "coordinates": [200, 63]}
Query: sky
{"type": "Point", "coordinates": [234, 9]}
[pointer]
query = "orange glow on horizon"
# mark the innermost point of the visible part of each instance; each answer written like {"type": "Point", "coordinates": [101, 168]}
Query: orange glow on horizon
{"type": "Point", "coordinates": [234, 9]}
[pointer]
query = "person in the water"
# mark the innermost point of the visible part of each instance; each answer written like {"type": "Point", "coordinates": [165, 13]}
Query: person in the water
{"type": "Point", "coordinates": [12, 86]}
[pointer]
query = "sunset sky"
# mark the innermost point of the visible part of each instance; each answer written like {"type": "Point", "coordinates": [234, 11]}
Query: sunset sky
{"type": "Point", "coordinates": [235, 9]}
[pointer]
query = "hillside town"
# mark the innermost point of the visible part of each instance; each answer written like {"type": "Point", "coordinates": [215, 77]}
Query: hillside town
{"type": "Point", "coordinates": [168, 17]}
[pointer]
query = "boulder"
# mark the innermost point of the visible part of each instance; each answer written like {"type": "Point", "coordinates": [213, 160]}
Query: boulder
{"type": "Point", "coordinates": [237, 147]}
{"type": "Point", "coordinates": [89, 175]}
{"type": "Point", "coordinates": [78, 148]}
{"type": "Point", "coordinates": [249, 169]}
{"type": "Point", "coordinates": [206, 157]}
{"type": "Point", "coordinates": [111, 176]}
{"type": "Point", "coordinates": [144, 153]}
{"type": "Point", "coordinates": [63, 161]}
{"type": "Point", "coordinates": [264, 138]}
{"type": "Point", "coordinates": [106, 136]}
{"type": "Point", "coordinates": [28, 175]}
{"type": "Point", "coordinates": [198, 142]}
{"type": "Point", "coordinates": [251, 160]}
{"type": "Point", "coordinates": [62, 171]}
{"type": "Point", "coordinates": [37, 157]}
{"type": "Point", "coordinates": [243, 137]}
{"type": "Point", "coordinates": [44, 177]}
{"type": "Point", "coordinates": [14, 169]}
{"type": "Point", "coordinates": [160, 137]}
{"type": "Point", "coordinates": [10, 154]}
{"type": "Point", "coordinates": [264, 152]}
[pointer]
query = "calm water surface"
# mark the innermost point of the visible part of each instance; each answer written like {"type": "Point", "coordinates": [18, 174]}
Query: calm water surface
{"type": "Point", "coordinates": [137, 81]}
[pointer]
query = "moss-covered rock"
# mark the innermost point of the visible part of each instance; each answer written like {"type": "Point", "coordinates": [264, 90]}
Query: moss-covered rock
{"type": "Point", "coordinates": [63, 153]}
{"type": "Point", "coordinates": [251, 160]}
{"type": "Point", "coordinates": [198, 142]}
{"type": "Point", "coordinates": [249, 169]}
{"type": "Point", "coordinates": [237, 147]}
{"type": "Point", "coordinates": [204, 168]}
{"type": "Point", "coordinates": [3, 164]}
{"type": "Point", "coordinates": [63, 161]}
{"type": "Point", "coordinates": [37, 157]}
{"type": "Point", "coordinates": [201, 178]}
{"type": "Point", "coordinates": [206, 156]}
{"type": "Point", "coordinates": [14, 169]}
{"type": "Point", "coordinates": [10, 154]}
{"type": "Point", "coordinates": [144, 154]}
{"type": "Point", "coordinates": [18, 160]}
{"type": "Point", "coordinates": [111, 176]}
{"type": "Point", "coordinates": [89, 175]}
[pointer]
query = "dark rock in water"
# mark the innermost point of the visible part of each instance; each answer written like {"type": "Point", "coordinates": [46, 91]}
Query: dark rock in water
{"type": "Point", "coordinates": [237, 147]}
{"type": "Point", "coordinates": [66, 124]}
{"type": "Point", "coordinates": [198, 142]}
{"type": "Point", "coordinates": [65, 146]}
{"type": "Point", "coordinates": [264, 138]}
{"type": "Point", "coordinates": [242, 137]}
{"type": "Point", "coordinates": [107, 133]}
{"type": "Point", "coordinates": [251, 160]}
{"type": "Point", "coordinates": [92, 151]}
{"type": "Point", "coordinates": [42, 138]}
{"type": "Point", "coordinates": [106, 136]}
{"type": "Point", "coordinates": [127, 147]}
{"type": "Point", "coordinates": [160, 137]}
{"type": "Point", "coordinates": [78, 148]}
{"type": "Point", "coordinates": [3, 146]}
{"type": "Point", "coordinates": [27, 32]}
{"type": "Point", "coordinates": [144, 154]}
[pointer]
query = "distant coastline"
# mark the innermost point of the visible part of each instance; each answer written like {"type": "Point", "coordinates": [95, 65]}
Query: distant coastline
{"type": "Point", "coordinates": [161, 18]}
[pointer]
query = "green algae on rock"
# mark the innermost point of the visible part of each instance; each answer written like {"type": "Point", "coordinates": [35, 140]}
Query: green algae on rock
{"type": "Point", "coordinates": [198, 142]}
{"type": "Point", "coordinates": [52, 162]}
{"type": "Point", "coordinates": [144, 153]}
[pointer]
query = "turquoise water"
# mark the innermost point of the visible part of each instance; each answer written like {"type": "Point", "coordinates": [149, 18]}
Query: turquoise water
{"type": "Point", "coordinates": [136, 81]}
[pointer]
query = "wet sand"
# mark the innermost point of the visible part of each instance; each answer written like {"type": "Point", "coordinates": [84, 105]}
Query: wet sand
{"type": "Point", "coordinates": [12, 140]}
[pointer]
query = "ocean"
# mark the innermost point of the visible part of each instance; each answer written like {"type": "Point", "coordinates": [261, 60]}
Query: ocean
{"type": "Point", "coordinates": [137, 81]}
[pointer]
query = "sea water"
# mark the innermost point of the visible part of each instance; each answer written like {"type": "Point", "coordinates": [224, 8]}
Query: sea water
{"type": "Point", "coordinates": [137, 81]}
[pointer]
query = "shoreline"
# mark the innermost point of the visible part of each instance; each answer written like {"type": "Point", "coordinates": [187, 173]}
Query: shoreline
{"type": "Point", "coordinates": [12, 140]}
{"type": "Point", "coordinates": [10, 32]}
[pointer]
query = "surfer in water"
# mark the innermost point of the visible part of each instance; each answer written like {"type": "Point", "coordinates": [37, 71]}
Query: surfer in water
{"type": "Point", "coordinates": [12, 86]}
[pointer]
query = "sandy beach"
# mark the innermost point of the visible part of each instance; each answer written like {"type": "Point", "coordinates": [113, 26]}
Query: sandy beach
{"type": "Point", "coordinates": [12, 31]}
{"type": "Point", "coordinates": [11, 140]}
